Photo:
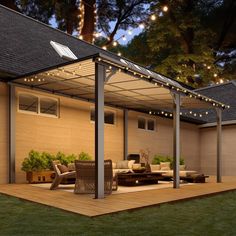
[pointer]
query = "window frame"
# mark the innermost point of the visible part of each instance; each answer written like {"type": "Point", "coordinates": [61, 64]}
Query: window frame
{"type": "Point", "coordinates": [146, 123]}
{"type": "Point", "coordinates": [38, 112]}
{"type": "Point", "coordinates": [105, 110]}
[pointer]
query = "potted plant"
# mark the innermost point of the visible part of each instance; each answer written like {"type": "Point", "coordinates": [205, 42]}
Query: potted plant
{"type": "Point", "coordinates": [38, 167]}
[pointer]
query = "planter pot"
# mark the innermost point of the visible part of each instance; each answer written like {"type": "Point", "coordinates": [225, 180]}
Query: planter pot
{"type": "Point", "coordinates": [45, 176]}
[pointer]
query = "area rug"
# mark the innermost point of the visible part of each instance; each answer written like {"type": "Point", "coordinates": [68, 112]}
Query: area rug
{"type": "Point", "coordinates": [121, 189]}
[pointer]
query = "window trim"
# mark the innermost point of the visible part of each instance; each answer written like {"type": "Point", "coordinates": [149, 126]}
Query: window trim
{"type": "Point", "coordinates": [39, 97]}
{"type": "Point", "coordinates": [105, 109]}
{"type": "Point", "coordinates": [146, 123]}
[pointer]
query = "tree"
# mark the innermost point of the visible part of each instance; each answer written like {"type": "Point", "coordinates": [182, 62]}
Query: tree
{"type": "Point", "coordinates": [183, 43]}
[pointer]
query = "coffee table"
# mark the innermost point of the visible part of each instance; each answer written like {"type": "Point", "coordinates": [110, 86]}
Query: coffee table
{"type": "Point", "coordinates": [132, 179]}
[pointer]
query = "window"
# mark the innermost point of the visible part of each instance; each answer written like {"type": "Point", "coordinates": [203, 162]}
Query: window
{"type": "Point", "coordinates": [141, 123]}
{"type": "Point", "coordinates": [150, 124]}
{"type": "Point", "coordinates": [109, 116]}
{"type": "Point", "coordinates": [28, 102]}
{"type": "Point", "coordinates": [146, 123]}
{"type": "Point", "coordinates": [38, 104]}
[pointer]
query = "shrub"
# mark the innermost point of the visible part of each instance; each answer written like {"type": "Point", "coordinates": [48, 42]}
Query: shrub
{"type": "Point", "coordinates": [48, 157]}
{"type": "Point", "coordinates": [65, 160]}
{"type": "Point", "coordinates": [83, 156]}
{"type": "Point", "coordinates": [162, 158]}
{"type": "Point", "coordinates": [34, 162]}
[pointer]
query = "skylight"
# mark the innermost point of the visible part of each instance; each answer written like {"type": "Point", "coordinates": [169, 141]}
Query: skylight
{"type": "Point", "coordinates": [63, 51]}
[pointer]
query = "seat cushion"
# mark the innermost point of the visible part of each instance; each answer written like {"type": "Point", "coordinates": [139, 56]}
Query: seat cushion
{"type": "Point", "coordinates": [63, 168]}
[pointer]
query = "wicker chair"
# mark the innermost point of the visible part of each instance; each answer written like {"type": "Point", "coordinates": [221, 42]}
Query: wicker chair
{"type": "Point", "coordinates": [60, 176]}
{"type": "Point", "coordinates": [85, 177]}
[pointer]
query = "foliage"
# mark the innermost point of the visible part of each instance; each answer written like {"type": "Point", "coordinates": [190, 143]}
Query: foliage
{"type": "Point", "coordinates": [157, 159]}
{"type": "Point", "coordinates": [64, 159]}
{"type": "Point", "coordinates": [83, 156]}
{"type": "Point", "coordinates": [212, 215]}
{"type": "Point", "coordinates": [184, 43]}
{"type": "Point", "coordinates": [34, 162]}
{"type": "Point", "coordinates": [37, 161]}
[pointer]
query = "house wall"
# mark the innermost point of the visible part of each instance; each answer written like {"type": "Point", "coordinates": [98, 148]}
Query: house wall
{"type": "Point", "coordinates": [208, 150]}
{"type": "Point", "coordinates": [72, 132]}
{"type": "Point", "coordinates": [3, 133]}
{"type": "Point", "coordinates": [161, 140]}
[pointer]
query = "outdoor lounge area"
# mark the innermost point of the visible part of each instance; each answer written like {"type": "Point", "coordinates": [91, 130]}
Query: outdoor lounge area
{"type": "Point", "coordinates": [84, 98]}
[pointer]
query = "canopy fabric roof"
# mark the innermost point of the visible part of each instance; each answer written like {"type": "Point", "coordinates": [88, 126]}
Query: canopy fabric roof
{"type": "Point", "coordinates": [127, 85]}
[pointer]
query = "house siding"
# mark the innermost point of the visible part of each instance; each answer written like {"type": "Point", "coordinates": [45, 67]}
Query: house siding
{"type": "Point", "coordinates": [208, 150]}
{"type": "Point", "coordinates": [3, 133]}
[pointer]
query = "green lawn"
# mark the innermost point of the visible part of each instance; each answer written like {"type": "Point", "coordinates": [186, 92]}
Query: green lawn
{"type": "Point", "coordinates": [207, 216]}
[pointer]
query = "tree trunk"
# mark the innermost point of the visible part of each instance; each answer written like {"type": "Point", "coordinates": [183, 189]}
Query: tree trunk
{"type": "Point", "coordinates": [88, 27]}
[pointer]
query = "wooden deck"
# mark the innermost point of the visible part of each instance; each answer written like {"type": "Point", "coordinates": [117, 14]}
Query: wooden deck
{"type": "Point", "coordinates": [86, 205]}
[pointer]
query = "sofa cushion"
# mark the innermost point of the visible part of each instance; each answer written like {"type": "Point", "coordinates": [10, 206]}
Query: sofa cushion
{"type": "Point", "coordinates": [113, 165]}
{"type": "Point", "coordinates": [62, 168]}
{"type": "Point", "coordinates": [122, 164]}
{"type": "Point", "coordinates": [130, 164]}
{"type": "Point", "coordinates": [155, 167]}
{"type": "Point", "coordinates": [165, 165]}
{"type": "Point", "coordinates": [136, 166]}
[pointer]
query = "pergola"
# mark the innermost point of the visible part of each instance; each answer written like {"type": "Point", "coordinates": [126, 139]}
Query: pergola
{"type": "Point", "coordinates": [119, 83]}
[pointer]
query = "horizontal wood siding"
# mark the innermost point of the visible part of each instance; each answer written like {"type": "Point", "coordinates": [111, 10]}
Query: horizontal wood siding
{"type": "Point", "coordinates": [72, 132]}
{"type": "Point", "coordinates": [208, 150]}
{"type": "Point", "coordinates": [160, 141]}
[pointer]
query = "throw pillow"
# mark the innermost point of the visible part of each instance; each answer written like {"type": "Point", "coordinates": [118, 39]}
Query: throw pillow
{"type": "Point", "coordinates": [122, 164]}
{"type": "Point", "coordinates": [71, 166]}
{"type": "Point", "coordinates": [113, 165]}
{"type": "Point", "coordinates": [181, 167]}
{"type": "Point", "coordinates": [136, 166]}
{"type": "Point", "coordinates": [62, 168]}
{"type": "Point", "coordinates": [130, 164]}
{"type": "Point", "coordinates": [165, 165]}
{"type": "Point", "coordinates": [155, 167]}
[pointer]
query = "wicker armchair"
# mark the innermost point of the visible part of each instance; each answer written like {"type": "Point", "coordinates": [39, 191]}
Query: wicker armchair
{"type": "Point", "coordinates": [60, 176]}
{"type": "Point", "coordinates": [85, 177]}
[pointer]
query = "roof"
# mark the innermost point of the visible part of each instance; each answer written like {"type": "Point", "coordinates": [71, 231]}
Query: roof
{"type": "Point", "coordinates": [225, 93]}
{"type": "Point", "coordinates": [26, 50]}
{"type": "Point", "coordinates": [25, 44]}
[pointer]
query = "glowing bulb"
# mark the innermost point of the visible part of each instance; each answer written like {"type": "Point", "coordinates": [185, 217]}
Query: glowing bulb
{"type": "Point", "coordinates": [97, 35]}
{"type": "Point", "coordinates": [104, 48]}
{"type": "Point", "coordinates": [119, 54]}
{"type": "Point", "coordinates": [130, 32]}
{"type": "Point", "coordinates": [215, 75]}
{"type": "Point", "coordinates": [221, 81]}
{"type": "Point", "coordinates": [209, 67]}
{"type": "Point", "coordinates": [81, 37]}
{"type": "Point", "coordinates": [124, 38]}
{"type": "Point", "coordinates": [141, 26]}
{"type": "Point", "coordinates": [115, 43]}
{"type": "Point", "coordinates": [153, 17]}
{"type": "Point", "coordinates": [165, 9]}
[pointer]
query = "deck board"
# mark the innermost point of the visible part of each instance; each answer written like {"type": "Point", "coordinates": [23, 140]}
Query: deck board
{"type": "Point", "coordinates": [88, 206]}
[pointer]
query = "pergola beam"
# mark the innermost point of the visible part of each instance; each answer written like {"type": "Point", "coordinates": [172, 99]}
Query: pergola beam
{"type": "Point", "coordinates": [219, 146]}
{"type": "Point", "coordinates": [99, 130]}
{"type": "Point", "coordinates": [176, 139]}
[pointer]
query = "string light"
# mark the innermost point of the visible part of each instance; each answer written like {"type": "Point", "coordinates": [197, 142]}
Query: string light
{"type": "Point", "coordinates": [119, 54]}
{"type": "Point", "coordinates": [123, 38]}
{"type": "Point", "coordinates": [153, 17]}
{"type": "Point", "coordinates": [215, 75]}
{"type": "Point", "coordinates": [141, 26]}
{"type": "Point", "coordinates": [165, 8]}
{"type": "Point", "coordinates": [104, 48]}
{"type": "Point", "coordinates": [115, 43]}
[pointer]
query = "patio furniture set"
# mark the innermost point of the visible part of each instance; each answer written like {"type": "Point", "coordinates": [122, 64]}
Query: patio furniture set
{"type": "Point", "coordinates": [83, 174]}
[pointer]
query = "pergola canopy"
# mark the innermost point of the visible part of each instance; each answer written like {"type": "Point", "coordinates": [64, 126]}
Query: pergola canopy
{"type": "Point", "coordinates": [127, 85]}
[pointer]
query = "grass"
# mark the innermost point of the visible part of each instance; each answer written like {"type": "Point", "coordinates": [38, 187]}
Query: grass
{"type": "Point", "coordinates": [214, 215]}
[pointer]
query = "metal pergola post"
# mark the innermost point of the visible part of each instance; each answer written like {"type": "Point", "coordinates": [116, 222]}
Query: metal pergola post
{"type": "Point", "coordinates": [99, 130]}
{"type": "Point", "coordinates": [176, 139]}
{"type": "Point", "coordinates": [125, 133]}
{"type": "Point", "coordinates": [219, 146]}
{"type": "Point", "coordinates": [11, 135]}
